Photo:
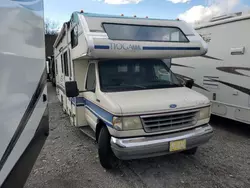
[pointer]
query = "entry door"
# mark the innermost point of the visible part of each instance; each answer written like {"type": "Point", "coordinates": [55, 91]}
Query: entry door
{"type": "Point", "coordinates": [90, 96]}
{"type": "Point", "coordinates": [67, 77]}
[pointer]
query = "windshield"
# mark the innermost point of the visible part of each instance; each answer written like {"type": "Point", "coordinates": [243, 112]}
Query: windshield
{"type": "Point", "coordinates": [140, 74]}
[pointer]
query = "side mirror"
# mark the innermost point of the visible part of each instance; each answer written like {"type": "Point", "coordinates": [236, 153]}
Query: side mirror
{"type": "Point", "coordinates": [189, 83]}
{"type": "Point", "coordinates": [168, 62]}
{"type": "Point", "coordinates": [71, 89]}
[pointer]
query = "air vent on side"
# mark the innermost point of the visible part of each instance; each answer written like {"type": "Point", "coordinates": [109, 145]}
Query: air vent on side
{"type": "Point", "coordinates": [211, 82]}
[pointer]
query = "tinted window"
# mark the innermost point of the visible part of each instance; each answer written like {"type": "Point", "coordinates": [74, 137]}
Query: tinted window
{"type": "Point", "coordinates": [125, 75]}
{"type": "Point", "coordinates": [69, 63]}
{"type": "Point", "coordinates": [144, 33]}
{"type": "Point", "coordinates": [56, 69]}
{"type": "Point", "coordinates": [66, 66]}
{"type": "Point", "coordinates": [62, 66]}
{"type": "Point", "coordinates": [74, 36]}
{"type": "Point", "coordinates": [91, 79]}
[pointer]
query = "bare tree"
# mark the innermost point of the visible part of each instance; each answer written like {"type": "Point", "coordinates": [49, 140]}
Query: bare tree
{"type": "Point", "coordinates": [51, 27]}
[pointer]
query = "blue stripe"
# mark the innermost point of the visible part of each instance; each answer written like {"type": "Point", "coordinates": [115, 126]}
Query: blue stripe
{"type": "Point", "coordinates": [101, 113]}
{"type": "Point", "coordinates": [95, 109]}
{"type": "Point", "coordinates": [169, 48]}
{"type": "Point", "coordinates": [101, 47]}
{"type": "Point", "coordinates": [106, 47]}
{"type": "Point", "coordinates": [78, 101]}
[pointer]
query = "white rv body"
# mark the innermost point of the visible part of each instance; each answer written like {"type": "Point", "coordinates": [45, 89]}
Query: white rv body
{"type": "Point", "coordinates": [87, 45]}
{"type": "Point", "coordinates": [23, 108]}
{"type": "Point", "coordinates": [223, 74]}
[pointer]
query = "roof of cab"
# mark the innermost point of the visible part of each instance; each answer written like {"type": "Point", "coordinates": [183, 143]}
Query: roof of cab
{"type": "Point", "coordinates": [87, 14]}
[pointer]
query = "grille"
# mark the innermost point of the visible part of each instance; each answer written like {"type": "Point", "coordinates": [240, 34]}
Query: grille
{"type": "Point", "coordinates": [170, 121]}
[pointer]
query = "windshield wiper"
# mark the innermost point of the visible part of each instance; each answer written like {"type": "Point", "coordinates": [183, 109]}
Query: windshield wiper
{"type": "Point", "coordinates": [134, 85]}
{"type": "Point", "coordinates": [161, 83]}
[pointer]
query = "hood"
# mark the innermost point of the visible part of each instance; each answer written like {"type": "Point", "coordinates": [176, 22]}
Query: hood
{"type": "Point", "coordinates": [157, 100]}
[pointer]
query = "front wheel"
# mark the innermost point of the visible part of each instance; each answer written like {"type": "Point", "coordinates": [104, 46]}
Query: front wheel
{"type": "Point", "coordinates": [106, 155]}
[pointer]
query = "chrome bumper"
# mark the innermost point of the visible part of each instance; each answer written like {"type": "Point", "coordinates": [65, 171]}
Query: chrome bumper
{"type": "Point", "coordinates": [143, 147]}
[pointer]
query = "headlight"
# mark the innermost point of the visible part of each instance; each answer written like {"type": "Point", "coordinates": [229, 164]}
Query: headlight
{"type": "Point", "coordinates": [127, 123]}
{"type": "Point", "coordinates": [117, 123]}
{"type": "Point", "coordinates": [204, 113]}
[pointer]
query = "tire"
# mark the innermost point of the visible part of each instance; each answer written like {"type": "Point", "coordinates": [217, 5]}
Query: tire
{"type": "Point", "coordinates": [106, 155]}
{"type": "Point", "coordinates": [191, 151]}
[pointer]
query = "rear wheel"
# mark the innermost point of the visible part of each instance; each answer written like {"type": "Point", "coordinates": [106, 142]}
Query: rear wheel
{"type": "Point", "coordinates": [106, 155]}
{"type": "Point", "coordinates": [191, 151]}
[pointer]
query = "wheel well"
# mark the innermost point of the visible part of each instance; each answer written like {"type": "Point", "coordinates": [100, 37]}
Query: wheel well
{"type": "Point", "coordinates": [99, 126]}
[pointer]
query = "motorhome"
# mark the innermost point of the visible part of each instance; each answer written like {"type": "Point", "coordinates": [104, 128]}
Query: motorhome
{"type": "Point", "coordinates": [51, 70]}
{"type": "Point", "coordinates": [23, 92]}
{"type": "Point", "coordinates": [114, 80]}
{"type": "Point", "coordinates": [223, 73]}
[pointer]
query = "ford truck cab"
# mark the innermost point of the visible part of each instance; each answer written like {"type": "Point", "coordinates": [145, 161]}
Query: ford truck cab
{"type": "Point", "coordinates": [121, 85]}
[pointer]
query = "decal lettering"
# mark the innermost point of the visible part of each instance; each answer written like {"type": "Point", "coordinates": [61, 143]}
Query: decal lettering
{"type": "Point", "coordinates": [120, 46]}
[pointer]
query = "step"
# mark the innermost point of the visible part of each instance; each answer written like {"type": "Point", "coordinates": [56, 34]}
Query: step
{"type": "Point", "coordinates": [88, 131]}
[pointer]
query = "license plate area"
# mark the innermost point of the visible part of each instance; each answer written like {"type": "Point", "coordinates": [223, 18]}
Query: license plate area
{"type": "Point", "coordinates": [177, 145]}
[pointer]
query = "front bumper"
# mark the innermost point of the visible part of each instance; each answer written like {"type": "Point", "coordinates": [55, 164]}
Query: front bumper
{"type": "Point", "coordinates": [143, 147]}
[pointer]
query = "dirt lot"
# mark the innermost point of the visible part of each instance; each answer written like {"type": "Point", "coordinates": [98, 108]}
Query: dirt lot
{"type": "Point", "coordinates": [69, 159]}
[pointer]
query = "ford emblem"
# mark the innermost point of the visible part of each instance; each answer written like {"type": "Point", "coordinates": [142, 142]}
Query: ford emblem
{"type": "Point", "coordinates": [173, 106]}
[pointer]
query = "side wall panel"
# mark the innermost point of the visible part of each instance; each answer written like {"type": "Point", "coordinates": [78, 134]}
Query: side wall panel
{"type": "Point", "coordinates": [219, 75]}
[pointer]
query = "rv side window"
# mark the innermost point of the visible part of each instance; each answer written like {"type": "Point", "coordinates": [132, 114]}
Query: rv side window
{"type": "Point", "coordinates": [65, 62]}
{"type": "Point", "coordinates": [144, 33]}
{"type": "Point", "coordinates": [91, 78]}
{"type": "Point", "coordinates": [62, 64]}
{"type": "Point", "coordinates": [74, 36]}
{"type": "Point", "coordinates": [69, 64]}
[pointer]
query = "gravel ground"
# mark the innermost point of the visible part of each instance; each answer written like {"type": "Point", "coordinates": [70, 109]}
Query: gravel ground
{"type": "Point", "coordinates": [69, 160]}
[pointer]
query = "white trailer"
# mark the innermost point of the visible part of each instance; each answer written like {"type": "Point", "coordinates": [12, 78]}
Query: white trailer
{"type": "Point", "coordinates": [223, 74]}
{"type": "Point", "coordinates": [111, 78]}
{"type": "Point", "coordinates": [23, 92]}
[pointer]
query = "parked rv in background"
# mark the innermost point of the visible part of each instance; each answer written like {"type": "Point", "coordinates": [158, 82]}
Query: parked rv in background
{"type": "Point", "coordinates": [51, 70]}
{"type": "Point", "coordinates": [23, 91]}
{"type": "Point", "coordinates": [116, 88]}
{"type": "Point", "coordinates": [223, 74]}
